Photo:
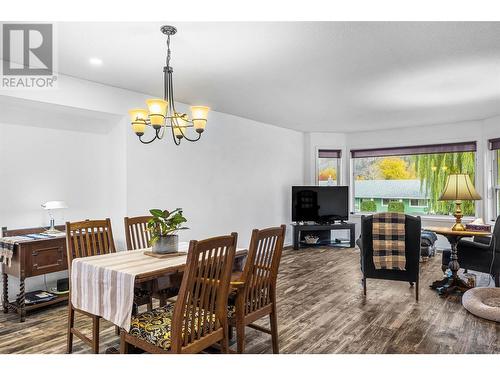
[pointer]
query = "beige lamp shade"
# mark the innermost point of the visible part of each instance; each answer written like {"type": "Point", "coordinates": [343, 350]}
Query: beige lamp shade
{"type": "Point", "coordinates": [138, 119]}
{"type": "Point", "coordinates": [54, 205]}
{"type": "Point", "coordinates": [199, 115]}
{"type": "Point", "coordinates": [157, 111]}
{"type": "Point", "coordinates": [459, 187]}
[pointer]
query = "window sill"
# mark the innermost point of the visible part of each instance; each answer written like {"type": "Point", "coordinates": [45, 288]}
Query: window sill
{"type": "Point", "coordinates": [443, 218]}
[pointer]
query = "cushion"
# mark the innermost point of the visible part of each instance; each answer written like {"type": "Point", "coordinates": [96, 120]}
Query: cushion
{"type": "Point", "coordinates": [155, 326]}
{"type": "Point", "coordinates": [483, 302]}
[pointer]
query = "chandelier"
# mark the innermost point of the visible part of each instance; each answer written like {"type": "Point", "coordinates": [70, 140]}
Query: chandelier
{"type": "Point", "coordinates": [161, 114]}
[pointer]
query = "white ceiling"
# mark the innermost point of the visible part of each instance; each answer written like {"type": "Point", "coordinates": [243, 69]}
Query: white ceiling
{"type": "Point", "coordinates": [308, 76]}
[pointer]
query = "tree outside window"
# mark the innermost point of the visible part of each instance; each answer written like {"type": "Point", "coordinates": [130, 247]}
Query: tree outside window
{"type": "Point", "coordinates": [414, 180]}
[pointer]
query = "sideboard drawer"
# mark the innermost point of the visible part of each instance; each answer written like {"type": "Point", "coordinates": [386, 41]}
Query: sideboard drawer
{"type": "Point", "coordinates": [47, 258]}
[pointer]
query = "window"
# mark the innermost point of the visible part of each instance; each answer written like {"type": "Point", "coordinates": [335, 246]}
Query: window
{"type": "Point", "coordinates": [327, 172]}
{"type": "Point", "coordinates": [385, 201]}
{"type": "Point", "coordinates": [411, 177]}
{"type": "Point", "coordinates": [495, 147]}
{"type": "Point", "coordinates": [418, 202]}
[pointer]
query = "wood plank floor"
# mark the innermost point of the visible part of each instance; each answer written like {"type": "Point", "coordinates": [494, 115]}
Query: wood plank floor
{"type": "Point", "coordinates": [321, 310]}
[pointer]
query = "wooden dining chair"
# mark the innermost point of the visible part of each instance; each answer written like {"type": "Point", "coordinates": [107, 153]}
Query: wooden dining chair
{"type": "Point", "coordinates": [254, 291]}
{"type": "Point", "coordinates": [83, 239]}
{"type": "Point", "coordinates": [138, 237]}
{"type": "Point", "coordinates": [198, 319]}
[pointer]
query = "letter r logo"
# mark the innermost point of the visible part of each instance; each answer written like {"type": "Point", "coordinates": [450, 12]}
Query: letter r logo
{"type": "Point", "coordinates": [27, 49]}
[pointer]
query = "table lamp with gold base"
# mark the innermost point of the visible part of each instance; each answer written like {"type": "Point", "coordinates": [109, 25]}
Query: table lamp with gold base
{"type": "Point", "coordinates": [459, 187]}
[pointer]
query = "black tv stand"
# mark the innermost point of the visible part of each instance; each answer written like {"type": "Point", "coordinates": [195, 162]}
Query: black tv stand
{"type": "Point", "coordinates": [323, 231]}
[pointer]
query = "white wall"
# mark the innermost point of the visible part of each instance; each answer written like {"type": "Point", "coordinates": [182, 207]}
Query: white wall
{"type": "Point", "coordinates": [74, 143]}
{"type": "Point", "coordinates": [237, 178]}
{"type": "Point", "coordinates": [42, 161]}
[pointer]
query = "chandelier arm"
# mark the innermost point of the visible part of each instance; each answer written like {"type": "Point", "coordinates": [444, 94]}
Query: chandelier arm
{"type": "Point", "coordinates": [171, 106]}
{"type": "Point", "coordinates": [165, 94]}
{"type": "Point", "coordinates": [151, 140]}
{"type": "Point", "coordinates": [171, 91]}
{"type": "Point", "coordinates": [187, 138]}
{"type": "Point", "coordinates": [176, 140]}
{"type": "Point", "coordinates": [174, 121]}
{"type": "Point", "coordinates": [162, 130]}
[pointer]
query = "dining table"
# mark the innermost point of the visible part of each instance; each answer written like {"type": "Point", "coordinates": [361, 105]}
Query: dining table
{"type": "Point", "coordinates": [103, 285]}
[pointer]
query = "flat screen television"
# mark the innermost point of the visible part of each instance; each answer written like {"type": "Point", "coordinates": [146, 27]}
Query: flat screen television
{"type": "Point", "coordinates": [322, 204]}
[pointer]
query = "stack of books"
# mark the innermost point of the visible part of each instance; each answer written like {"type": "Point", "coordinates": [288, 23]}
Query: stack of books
{"type": "Point", "coordinates": [38, 296]}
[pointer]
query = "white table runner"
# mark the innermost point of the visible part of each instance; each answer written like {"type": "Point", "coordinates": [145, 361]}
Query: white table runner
{"type": "Point", "coordinates": [103, 285]}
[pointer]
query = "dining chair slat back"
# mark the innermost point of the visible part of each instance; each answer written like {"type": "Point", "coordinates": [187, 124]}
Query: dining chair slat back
{"type": "Point", "coordinates": [200, 313]}
{"type": "Point", "coordinates": [136, 234]}
{"type": "Point", "coordinates": [256, 288]}
{"type": "Point", "coordinates": [261, 269]}
{"type": "Point", "coordinates": [84, 239]}
{"type": "Point", "coordinates": [88, 238]}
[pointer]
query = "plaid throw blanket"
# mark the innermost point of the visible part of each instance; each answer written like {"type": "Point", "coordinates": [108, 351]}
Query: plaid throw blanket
{"type": "Point", "coordinates": [389, 241]}
{"type": "Point", "coordinates": [7, 248]}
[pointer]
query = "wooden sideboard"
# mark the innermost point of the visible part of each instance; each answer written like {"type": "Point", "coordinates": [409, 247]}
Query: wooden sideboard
{"type": "Point", "coordinates": [32, 258]}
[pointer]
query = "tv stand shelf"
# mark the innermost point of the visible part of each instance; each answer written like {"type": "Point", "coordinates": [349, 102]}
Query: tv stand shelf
{"type": "Point", "coordinates": [323, 231]}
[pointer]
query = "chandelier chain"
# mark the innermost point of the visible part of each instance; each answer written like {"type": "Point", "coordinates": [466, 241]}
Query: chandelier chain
{"type": "Point", "coordinates": [168, 51]}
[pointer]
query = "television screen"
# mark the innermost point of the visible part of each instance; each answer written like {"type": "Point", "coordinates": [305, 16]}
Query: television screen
{"type": "Point", "coordinates": [320, 203]}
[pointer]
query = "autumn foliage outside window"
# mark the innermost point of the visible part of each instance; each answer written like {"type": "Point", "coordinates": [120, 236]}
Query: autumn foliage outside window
{"type": "Point", "coordinates": [328, 167]}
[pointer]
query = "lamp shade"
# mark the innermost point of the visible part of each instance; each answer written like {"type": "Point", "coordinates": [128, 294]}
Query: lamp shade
{"type": "Point", "coordinates": [138, 119]}
{"type": "Point", "coordinates": [157, 111]}
{"type": "Point", "coordinates": [459, 187]}
{"type": "Point", "coordinates": [54, 205]}
{"type": "Point", "coordinates": [199, 112]}
{"type": "Point", "coordinates": [199, 116]}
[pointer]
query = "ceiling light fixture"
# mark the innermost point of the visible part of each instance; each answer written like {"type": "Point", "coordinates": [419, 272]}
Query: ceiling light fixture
{"type": "Point", "coordinates": [161, 113]}
{"type": "Point", "coordinates": [95, 61]}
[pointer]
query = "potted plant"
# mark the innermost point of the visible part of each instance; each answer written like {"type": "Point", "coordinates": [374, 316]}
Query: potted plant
{"type": "Point", "coordinates": [163, 227]}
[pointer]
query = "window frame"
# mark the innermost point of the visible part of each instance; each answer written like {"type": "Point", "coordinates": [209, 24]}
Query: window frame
{"type": "Point", "coordinates": [409, 147]}
{"type": "Point", "coordinates": [495, 184]}
{"type": "Point", "coordinates": [339, 164]}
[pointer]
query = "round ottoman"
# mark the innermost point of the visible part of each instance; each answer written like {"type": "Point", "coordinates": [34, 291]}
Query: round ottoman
{"type": "Point", "coordinates": [483, 302]}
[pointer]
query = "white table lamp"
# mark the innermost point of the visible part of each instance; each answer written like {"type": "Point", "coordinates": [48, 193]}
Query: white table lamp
{"type": "Point", "coordinates": [50, 206]}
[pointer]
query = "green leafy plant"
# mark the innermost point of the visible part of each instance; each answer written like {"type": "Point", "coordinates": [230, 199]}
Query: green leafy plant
{"type": "Point", "coordinates": [165, 223]}
{"type": "Point", "coordinates": [396, 206]}
{"type": "Point", "coordinates": [368, 206]}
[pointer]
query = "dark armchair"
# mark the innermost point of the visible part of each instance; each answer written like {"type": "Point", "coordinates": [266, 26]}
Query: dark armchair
{"type": "Point", "coordinates": [412, 254]}
{"type": "Point", "coordinates": [482, 254]}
